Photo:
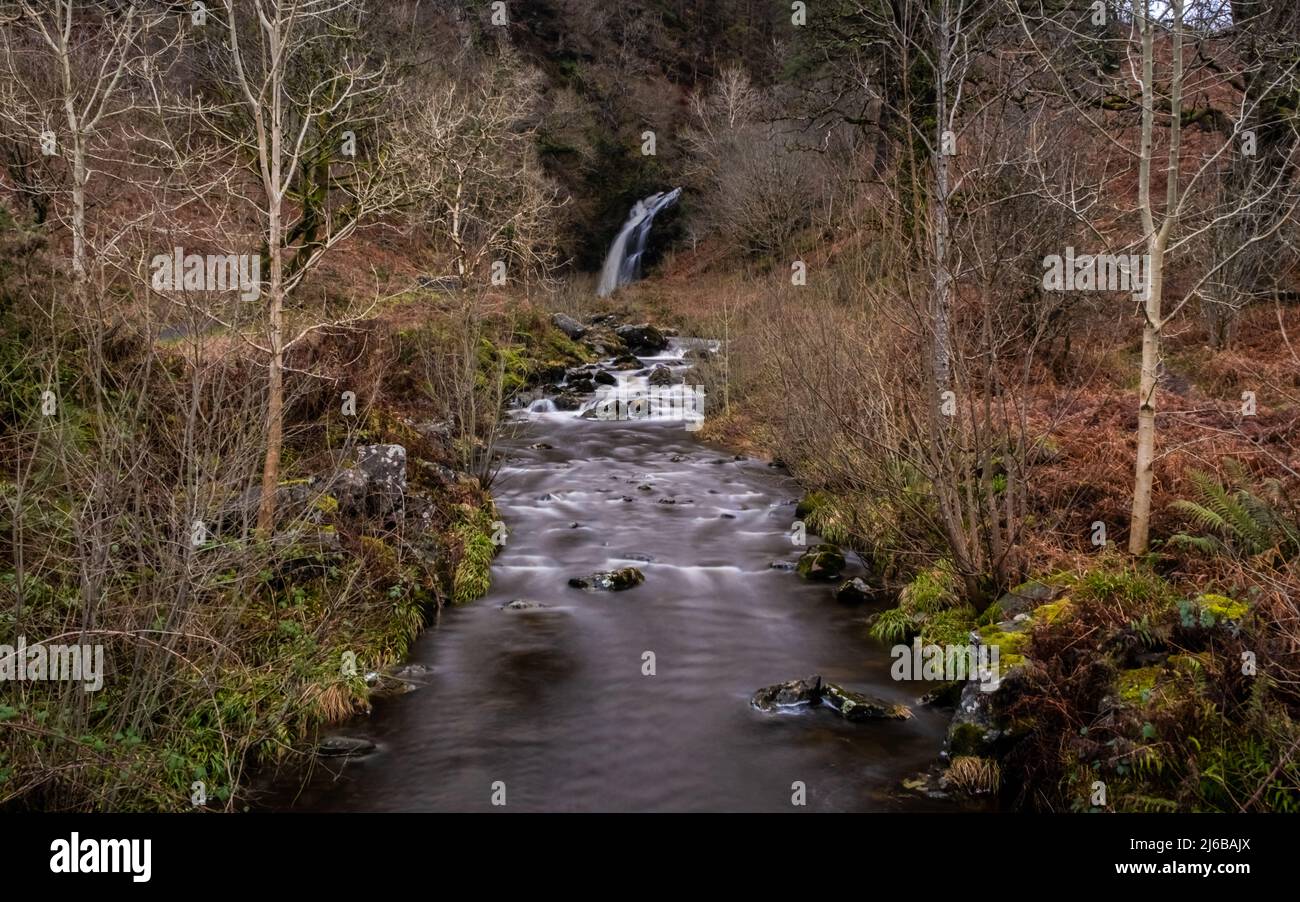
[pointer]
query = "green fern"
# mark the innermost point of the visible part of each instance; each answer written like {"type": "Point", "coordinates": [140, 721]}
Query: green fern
{"type": "Point", "coordinates": [1237, 522]}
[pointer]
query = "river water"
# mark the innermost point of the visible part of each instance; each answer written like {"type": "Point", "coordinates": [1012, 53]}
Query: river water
{"type": "Point", "coordinates": [553, 702]}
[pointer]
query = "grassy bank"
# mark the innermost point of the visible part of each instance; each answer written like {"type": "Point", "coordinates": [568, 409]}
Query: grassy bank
{"type": "Point", "coordinates": [228, 651]}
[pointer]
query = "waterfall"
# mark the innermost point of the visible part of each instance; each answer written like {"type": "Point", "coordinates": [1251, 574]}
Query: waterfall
{"type": "Point", "coordinates": [623, 264]}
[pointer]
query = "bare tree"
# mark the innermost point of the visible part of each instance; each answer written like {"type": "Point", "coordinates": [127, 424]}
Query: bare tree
{"type": "Point", "coordinates": [1153, 35]}
{"type": "Point", "coordinates": [65, 67]}
{"type": "Point", "coordinates": [293, 86]}
{"type": "Point", "coordinates": [467, 140]}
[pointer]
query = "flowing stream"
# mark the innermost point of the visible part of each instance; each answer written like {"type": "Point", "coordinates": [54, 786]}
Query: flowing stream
{"type": "Point", "coordinates": [553, 702]}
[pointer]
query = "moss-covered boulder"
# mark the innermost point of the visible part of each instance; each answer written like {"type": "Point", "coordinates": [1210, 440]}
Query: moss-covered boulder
{"type": "Point", "coordinates": [568, 325]}
{"type": "Point", "coordinates": [1025, 597]}
{"type": "Point", "coordinates": [809, 503]}
{"type": "Point", "coordinates": [821, 562]}
{"type": "Point", "coordinates": [857, 707]}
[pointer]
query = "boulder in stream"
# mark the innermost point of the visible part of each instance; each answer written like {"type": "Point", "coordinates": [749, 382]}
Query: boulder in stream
{"type": "Point", "coordinates": [642, 339]}
{"type": "Point", "coordinates": [792, 693]}
{"type": "Point", "coordinates": [663, 376]}
{"type": "Point", "coordinates": [566, 401]}
{"type": "Point", "coordinates": [388, 684]}
{"type": "Point", "coordinates": [812, 690]}
{"type": "Point", "coordinates": [821, 562]}
{"type": "Point", "coordinates": [344, 747]}
{"type": "Point", "coordinates": [860, 591]}
{"type": "Point", "coordinates": [857, 707]}
{"type": "Point", "coordinates": [609, 580]}
{"type": "Point", "coordinates": [604, 377]}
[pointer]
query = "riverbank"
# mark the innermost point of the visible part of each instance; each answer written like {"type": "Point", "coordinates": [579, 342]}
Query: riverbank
{"type": "Point", "coordinates": [256, 643]}
{"type": "Point", "coordinates": [1160, 682]}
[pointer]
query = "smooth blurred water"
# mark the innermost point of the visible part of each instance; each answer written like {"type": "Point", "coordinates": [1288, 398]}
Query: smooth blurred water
{"type": "Point", "coordinates": [553, 702]}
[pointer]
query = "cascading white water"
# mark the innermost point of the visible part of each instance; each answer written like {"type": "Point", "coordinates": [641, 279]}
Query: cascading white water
{"type": "Point", "coordinates": [623, 263]}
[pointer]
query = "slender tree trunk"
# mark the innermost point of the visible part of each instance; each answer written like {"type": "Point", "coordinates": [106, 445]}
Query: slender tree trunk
{"type": "Point", "coordinates": [80, 269]}
{"type": "Point", "coordinates": [275, 400]}
{"type": "Point", "coordinates": [272, 172]}
{"type": "Point", "coordinates": [1140, 530]}
{"type": "Point", "coordinates": [942, 276]}
{"type": "Point", "coordinates": [1157, 241]}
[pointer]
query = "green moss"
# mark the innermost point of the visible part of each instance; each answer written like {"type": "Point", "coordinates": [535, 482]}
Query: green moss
{"type": "Point", "coordinates": [810, 503]}
{"type": "Point", "coordinates": [966, 739]}
{"type": "Point", "coordinates": [1222, 608]}
{"type": "Point", "coordinates": [1011, 644]}
{"type": "Point", "coordinates": [327, 504]}
{"type": "Point", "coordinates": [556, 347]}
{"type": "Point", "coordinates": [1053, 611]}
{"type": "Point", "coordinates": [1135, 686]}
{"type": "Point", "coordinates": [821, 562]}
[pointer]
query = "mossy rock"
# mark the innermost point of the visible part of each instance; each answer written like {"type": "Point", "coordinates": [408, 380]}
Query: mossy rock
{"type": "Point", "coordinates": [809, 503]}
{"type": "Point", "coordinates": [1024, 598]}
{"type": "Point", "coordinates": [856, 707]}
{"type": "Point", "coordinates": [1011, 638]}
{"type": "Point", "coordinates": [1135, 686]}
{"type": "Point", "coordinates": [968, 739]}
{"type": "Point", "coordinates": [1053, 611]}
{"type": "Point", "coordinates": [821, 562]}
